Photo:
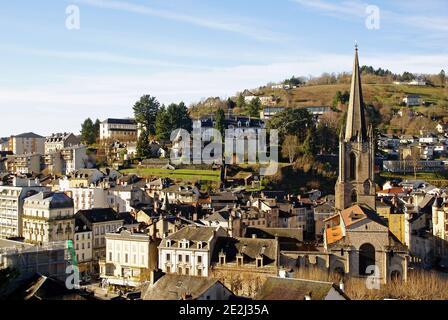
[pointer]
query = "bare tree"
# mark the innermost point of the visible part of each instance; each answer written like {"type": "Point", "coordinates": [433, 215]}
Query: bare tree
{"type": "Point", "coordinates": [290, 147]}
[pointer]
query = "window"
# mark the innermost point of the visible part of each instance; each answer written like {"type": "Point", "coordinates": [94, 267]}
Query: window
{"type": "Point", "coordinates": [168, 257]}
{"type": "Point", "coordinates": [199, 272]}
{"type": "Point", "coordinates": [88, 245]}
{"type": "Point", "coordinates": [187, 271]}
{"type": "Point", "coordinates": [82, 255]}
{"type": "Point", "coordinates": [199, 259]}
{"type": "Point", "coordinates": [354, 196]}
{"type": "Point", "coordinates": [352, 170]}
{"type": "Point", "coordinates": [82, 246]}
{"type": "Point", "coordinates": [187, 259]}
{"type": "Point", "coordinates": [179, 270]}
{"type": "Point", "coordinates": [168, 269]}
{"type": "Point", "coordinates": [126, 258]}
{"type": "Point", "coordinates": [180, 258]}
{"type": "Point", "coordinates": [110, 256]}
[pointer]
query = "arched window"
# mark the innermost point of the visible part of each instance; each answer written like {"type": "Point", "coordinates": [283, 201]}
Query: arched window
{"type": "Point", "coordinates": [354, 197]}
{"type": "Point", "coordinates": [367, 187]}
{"type": "Point", "coordinates": [366, 258]}
{"type": "Point", "coordinates": [352, 170]}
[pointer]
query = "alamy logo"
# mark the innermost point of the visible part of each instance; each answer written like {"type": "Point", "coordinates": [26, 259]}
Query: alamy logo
{"type": "Point", "coordinates": [239, 147]}
{"type": "Point", "coordinates": [73, 19]}
{"type": "Point", "coordinates": [373, 21]}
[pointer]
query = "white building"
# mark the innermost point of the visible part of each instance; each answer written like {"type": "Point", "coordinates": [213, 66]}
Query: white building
{"type": "Point", "coordinates": [189, 251]}
{"type": "Point", "coordinates": [67, 160]}
{"type": "Point", "coordinates": [123, 198]}
{"type": "Point", "coordinates": [83, 245]}
{"type": "Point", "coordinates": [100, 221]}
{"type": "Point", "coordinates": [11, 205]}
{"type": "Point", "coordinates": [27, 143]}
{"type": "Point", "coordinates": [124, 130]}
{"type": "Point", "coordinates": [48, 217]}
{"type": "Point", "coordinates": [129, 258]}
{"type": "Point", "coordinates": [85, 198]}
{"type": "Point", "coordinates": [59, 141]}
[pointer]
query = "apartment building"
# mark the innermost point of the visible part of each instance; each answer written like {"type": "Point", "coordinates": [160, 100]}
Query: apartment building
{"type": "Point", "coordinates": [100, 221]}
{"type": "Point", "coordinates": [123, 130]}
{"type": "Point", "coordinates": [27, 143]}
{"type": "Point", "coordinates": [83, 243]}
{"type": "Point", "coordinates": [12, 198]}
{"type": "Point", "coordinates": [48, 217]}
{"type": "Point", "coordinates": [189, 251]}
{"type": "Point", "coordinates": [129, 259]}
{"type": "Point", "coordinates": [59, 141]}
{"type": "Point", "coordinates": [24, 164]}
{"type": "Point", "coordinates": [66, 161]}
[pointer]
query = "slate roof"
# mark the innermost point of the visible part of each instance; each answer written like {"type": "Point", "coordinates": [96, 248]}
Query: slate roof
{"type": "Point", "coordinates": [28, 135]}
{"type": "Point", "coordinates": [177, 287]}
{"type": "Point", "coordinates": [249, 248]}
{"type": "Point", "coordinates": [119, 121]}
{"type": "Point", "coordinates": [100, 215]}
{"type": "Point", "coordinates": [296, 289]}
{"type": "Point", "coordinates": [55, 200]}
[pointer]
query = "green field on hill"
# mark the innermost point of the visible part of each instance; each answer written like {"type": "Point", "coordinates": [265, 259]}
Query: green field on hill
{"type": "Point", "coordinates": [181, 174]}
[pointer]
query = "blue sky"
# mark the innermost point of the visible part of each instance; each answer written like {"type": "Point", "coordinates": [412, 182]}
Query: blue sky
{"type": "Point", "coordinates": [186, 50]}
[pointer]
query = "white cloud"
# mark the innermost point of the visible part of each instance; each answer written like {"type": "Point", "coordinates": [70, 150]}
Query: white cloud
{"type": "Point", "coordinates": [215, 24]}
{"type": "Point", "coordinates": [64, 105]}
{"type": "Point", "coordinates": [357, 9]}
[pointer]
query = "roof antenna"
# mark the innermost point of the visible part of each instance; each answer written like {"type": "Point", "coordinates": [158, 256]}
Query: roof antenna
{"type": "Point", "coordinates": [356, 45]}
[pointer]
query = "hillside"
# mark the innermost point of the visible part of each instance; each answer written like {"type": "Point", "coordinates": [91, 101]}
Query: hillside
{"type": "Point", "coordinates": [385, 98]}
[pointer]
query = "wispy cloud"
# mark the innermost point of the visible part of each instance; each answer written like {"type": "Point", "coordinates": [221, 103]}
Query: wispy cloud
{"type": "Point", "coordinates": [215, 24]}
{"type": "Point", "coordinates": [71, 99]}
{"type": "Point", "coordinates": [357, 9]}
{"type": "Point", "coordinates": [95, 56]}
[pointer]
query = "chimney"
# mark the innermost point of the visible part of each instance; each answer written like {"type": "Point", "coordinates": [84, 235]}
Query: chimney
{"type": "Point", "coordinates": [342, 286]}
{"type": "Point", "coordinates": [154, 276]}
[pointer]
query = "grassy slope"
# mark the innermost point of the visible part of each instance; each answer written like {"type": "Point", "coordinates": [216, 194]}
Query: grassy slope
{"type": "Point", "coordinates": [322, 95]}
{"type": "Point", "coordinates": [181, 174]}
{"type": "Point", "coordinates": [386, 93]}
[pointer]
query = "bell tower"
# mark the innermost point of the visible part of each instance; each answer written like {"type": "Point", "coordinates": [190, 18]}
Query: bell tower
{"type": "Point", "coordinates": [356, 182]}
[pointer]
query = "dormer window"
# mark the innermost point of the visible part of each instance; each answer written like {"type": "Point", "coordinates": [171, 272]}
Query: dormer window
{"type": "Point", "coordinates": [200, 245]}
{"type": "Point", "coordinates": [168, 243]}
{"type": "Point", "coordinates": [222, 258]}
{"type": "Point", "coordinates": [239, 260]}
{"type": "Point", "coordinates": [259, 262]}
{"type": "Point", "coordinates": [185, 244]}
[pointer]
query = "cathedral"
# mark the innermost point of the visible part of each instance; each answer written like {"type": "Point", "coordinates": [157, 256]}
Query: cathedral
{"type": "Point", "coordinates": [357, 240]}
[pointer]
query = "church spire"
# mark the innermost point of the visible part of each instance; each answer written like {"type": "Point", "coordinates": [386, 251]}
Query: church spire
{"type": "Point", "coordinates": [356, 123]}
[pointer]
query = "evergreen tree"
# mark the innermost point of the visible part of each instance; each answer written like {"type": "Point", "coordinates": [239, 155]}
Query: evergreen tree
{"type": "Point", "coordinates": [163, 128]}
{"type": "Point", "coordinates": [88, 132]}
{"type": "Point", "coordinates": [96, 129]}
{"type": "Point", "coordinates": [220, 119]}
{"type": "Point", "coordinates": [253, 109]}
{"type": "Point", "coordinates": [145, 112]}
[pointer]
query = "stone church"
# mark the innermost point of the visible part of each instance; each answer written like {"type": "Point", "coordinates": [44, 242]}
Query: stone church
{"type": "Point", "coordinates": [357, 240]}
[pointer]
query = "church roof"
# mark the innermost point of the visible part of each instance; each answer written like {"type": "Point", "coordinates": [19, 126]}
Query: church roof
{"type": "Point", "coordinates": [356, 123]}
{"type": "Point", "coordinates": [357, 213]}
